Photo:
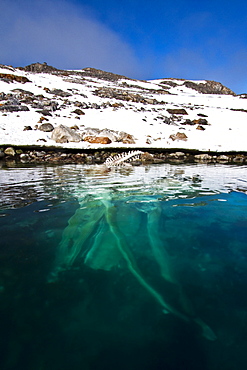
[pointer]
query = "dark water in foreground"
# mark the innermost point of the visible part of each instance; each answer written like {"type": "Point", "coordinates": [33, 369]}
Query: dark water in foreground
{"type": "Point", "coordinates": [137, 268]}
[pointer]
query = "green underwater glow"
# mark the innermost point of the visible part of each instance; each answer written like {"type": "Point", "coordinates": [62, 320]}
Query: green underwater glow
{"type": "Point", "coordinates": [130, 268]}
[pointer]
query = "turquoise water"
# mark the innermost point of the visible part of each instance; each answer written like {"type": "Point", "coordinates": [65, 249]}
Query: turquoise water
{"type": "Point", "coordinates": [134, 268]}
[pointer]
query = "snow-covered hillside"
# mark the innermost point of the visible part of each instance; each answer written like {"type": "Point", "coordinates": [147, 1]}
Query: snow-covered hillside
{"type": "Point", "coordinates": [165, 113]}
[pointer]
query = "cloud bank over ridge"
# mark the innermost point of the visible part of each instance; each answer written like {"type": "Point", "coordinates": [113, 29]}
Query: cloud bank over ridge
{"type": "Point", "coordinates": [60, 35]}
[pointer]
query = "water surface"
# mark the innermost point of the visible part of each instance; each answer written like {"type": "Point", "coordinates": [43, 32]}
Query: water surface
{"type": "Point", "coordinates": [133, 268]}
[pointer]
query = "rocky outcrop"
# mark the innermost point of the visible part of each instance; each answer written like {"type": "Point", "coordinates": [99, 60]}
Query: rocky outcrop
{"type": "Point", "coordinates": [64, 134]}
{"type": "Point", "coordinates": [11, 78]}
{"type": "Point", "coordinates": [106, 92]}
{"type": "Point", "coordinates": [209, 87]}
{"type": "Point", "coordinates": [168, 84]}
{"type": "Point", "coordinates": [38, 68]}
{"type": "Point", "coordinates": [13, 108]}
{"type": "Point", "coordinates": [42, 103]}
{"type": "Point", "coordinates": [59, 92]}
{"type": "Point", "coordinates": [107, 76]}
{"type": "Point", "coordinates": [10, 103]}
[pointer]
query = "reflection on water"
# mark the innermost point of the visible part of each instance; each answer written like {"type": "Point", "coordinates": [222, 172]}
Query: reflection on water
{"type": "Point", "coordinates": [134, 268]}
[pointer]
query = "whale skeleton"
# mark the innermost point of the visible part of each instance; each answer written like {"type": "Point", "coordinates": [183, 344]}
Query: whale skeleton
{"type": "Point", "coordinates": [110, 246]}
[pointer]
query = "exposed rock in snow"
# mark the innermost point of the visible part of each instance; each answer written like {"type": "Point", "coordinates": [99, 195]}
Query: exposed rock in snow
{"type": "Point", "coordinates": [6, 77]}
{"type": "Point", "coordinates": [27, 128]}
{"type": "Point", "coordinates": [79, 112]}
{"type": "Point", "coordinates": [13, 108]}
{"type": "Point", "coordinates": [106, 76]}
{"type": "Point", "coordinates": [38, 68]}
{"type": "Point", "coordinates": [64, 134]}
{"type": "Point", "coordinates": [209, 87]}
{"type": "Point", "coordinates": [46, 127]}
{"type": "Point", "coordinates": [177, 111]}
{"type": "Point", "coordinates": [114, 136]}
{"type": "Point", "coordinates": [97, 139]}
{"type": "Point", "coordinates": [179, 136]}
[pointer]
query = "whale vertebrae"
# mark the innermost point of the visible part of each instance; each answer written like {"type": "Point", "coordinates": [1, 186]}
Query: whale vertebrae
{"type": "Point", "coordinates": [123, 158]}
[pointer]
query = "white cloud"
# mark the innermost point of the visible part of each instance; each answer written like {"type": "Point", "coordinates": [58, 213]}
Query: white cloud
{"type": "Point", "coordinates": [62, 35]}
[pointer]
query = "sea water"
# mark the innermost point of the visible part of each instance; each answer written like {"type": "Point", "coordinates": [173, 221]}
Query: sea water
{"type": "Point", "coordinates": [129, 268]}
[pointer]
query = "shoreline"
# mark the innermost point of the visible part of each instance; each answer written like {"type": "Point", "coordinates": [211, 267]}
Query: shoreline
{"type": "Point", "coordinates": [44, 154]}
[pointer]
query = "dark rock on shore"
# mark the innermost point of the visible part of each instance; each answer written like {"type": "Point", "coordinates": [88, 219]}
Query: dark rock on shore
{"type": "Point", "coordinates": [10, 154]}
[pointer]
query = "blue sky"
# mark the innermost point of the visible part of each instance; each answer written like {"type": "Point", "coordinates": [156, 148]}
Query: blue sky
{"type": "Point", "coordinates": [140, 39]}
